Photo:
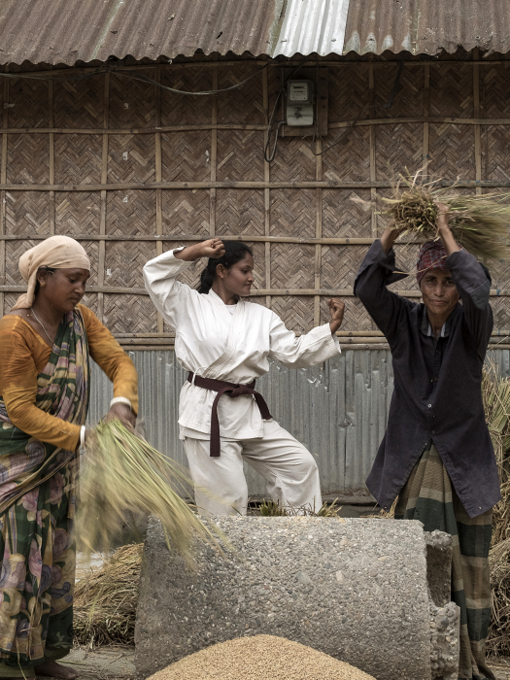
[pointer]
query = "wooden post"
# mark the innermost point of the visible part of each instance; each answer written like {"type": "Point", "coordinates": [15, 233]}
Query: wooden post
{"type": "Point", "coordinates": [3, 194]}
{"type": "Point", "coordinates": [214, 153]}
{"type": "Point", "coordinates": [159, 197]}
{"type": "Point", "coordinates": [52, 158]}
{"type": "Point", "coordinates": [267, 191]}
{"type": "Point", "coordinates": [318, 230]}
{"type": "Point", "coordinates": [104, 180]}
{"type": "Point", "coordinates": [476, 113]}
{"type": "Point", "coordinates": [373, 191]}
{"type": "Point", "coordinates": [426, 114]}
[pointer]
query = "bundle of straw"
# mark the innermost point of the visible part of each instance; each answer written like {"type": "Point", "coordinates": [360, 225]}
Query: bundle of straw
{"type": "Point", "coordinates": [496, 400]}
{"type": "Point", "coordinates": [105, 601]}
{"type": "Point", "coordinates": [480, 223]}
{"type": "Point", "coordinates": [124, 473]}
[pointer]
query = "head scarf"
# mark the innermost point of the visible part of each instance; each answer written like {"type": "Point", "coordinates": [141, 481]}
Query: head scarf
{"type": "Point", "coordinates": [432, 255]}
{"type": "Point", "coordinates": [59, 252]}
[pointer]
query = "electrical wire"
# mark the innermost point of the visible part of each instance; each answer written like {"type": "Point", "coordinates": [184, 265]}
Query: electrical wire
{"type": "Point", "coordinates": [144, 79]}
{"type": "Point", "coordinates": [270, 158]}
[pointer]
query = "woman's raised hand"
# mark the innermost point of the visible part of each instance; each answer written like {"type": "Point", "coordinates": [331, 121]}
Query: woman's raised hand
{"type": "Point", "coordinates": [336, 309]}
{"type": "Point", "coordinates": [213, 247]}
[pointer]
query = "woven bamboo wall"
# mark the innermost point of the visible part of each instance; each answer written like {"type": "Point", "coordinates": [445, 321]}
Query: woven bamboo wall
{"type": "Point", "coordinates": [132, 169]}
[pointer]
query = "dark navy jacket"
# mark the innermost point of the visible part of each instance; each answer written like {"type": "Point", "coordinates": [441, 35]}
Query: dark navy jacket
{"type": "Point", "coordinates": [437, 393]}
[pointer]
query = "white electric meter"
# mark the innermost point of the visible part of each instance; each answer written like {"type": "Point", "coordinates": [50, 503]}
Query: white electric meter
{"type": "Point", "coordinates": [300, 102]}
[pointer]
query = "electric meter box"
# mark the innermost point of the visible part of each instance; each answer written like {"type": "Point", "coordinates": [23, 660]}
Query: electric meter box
{"type": "Point", "coordinates": [300, 103]}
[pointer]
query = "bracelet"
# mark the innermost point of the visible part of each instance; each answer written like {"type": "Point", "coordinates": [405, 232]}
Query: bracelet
{"type": "Point", "coordinates": [121, 400]}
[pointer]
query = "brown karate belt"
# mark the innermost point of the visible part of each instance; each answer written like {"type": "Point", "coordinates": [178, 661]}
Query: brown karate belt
{"type": "Point", "coordinates": [233, 391]}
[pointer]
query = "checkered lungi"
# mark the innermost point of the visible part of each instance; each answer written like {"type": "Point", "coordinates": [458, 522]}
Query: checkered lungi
{"type": "Point", "coordinates": [429, 497]}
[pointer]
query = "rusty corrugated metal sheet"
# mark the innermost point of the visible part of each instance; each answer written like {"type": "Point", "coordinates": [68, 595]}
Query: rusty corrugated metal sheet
{"type": "Point", "coordinates": [70, 31]}
{"type": "Point", "coordinates": [427, 26]}
{"type": "Point", "coordinates": [67, 31]}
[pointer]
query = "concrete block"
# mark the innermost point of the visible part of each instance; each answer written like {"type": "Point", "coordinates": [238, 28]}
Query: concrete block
{"type": "Point", "coordinates": [356, 589]}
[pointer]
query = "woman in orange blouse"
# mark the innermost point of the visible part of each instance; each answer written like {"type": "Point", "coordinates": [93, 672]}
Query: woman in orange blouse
{"type": "Point", "coordinates": [45, 344]}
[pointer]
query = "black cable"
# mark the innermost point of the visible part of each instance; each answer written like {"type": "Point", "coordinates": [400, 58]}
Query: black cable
{"type": "Point", "coordinates": [270, 159]}
{"type": "Point", "coordinates": [144, 79]}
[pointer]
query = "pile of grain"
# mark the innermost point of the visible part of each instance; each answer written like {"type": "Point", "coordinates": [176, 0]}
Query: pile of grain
{"type": "Point", "coordinates": [262, 657]}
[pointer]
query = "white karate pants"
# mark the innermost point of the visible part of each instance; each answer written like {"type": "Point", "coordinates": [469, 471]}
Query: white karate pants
{"type": "Point", "coordinates": [288, 467]}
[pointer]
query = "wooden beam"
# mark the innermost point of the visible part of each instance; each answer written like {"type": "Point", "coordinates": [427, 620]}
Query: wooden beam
{"type": "Point", "coordinates": [273, 63]}
{"type": "Point", "coordinates": [267, 192]}
{"type": "Point", "coordinates": [104, 180]}
{"type": "Point", "coordinates": [178, 186]}
{"type": "Point", "coordinates": [159, 192]}
{"type": "Point", "coordinates": [51, 159]}
{"type": "Point", "coordinates": [426, 124]}
{"type": "Point", "coordinates": [476, 113]}
{"type": "Point", "coordinates": [261, 292]}
{"type": "Point", "coordinates": [3, 194]}
{"type": "Point", "coordinates": [214, 155]}
{"type": "Point", "coordinates": [440, 120]}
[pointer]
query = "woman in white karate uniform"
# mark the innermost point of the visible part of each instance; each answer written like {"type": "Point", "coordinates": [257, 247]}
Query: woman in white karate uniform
{"type": "Point", "coordinates": [225, 343]}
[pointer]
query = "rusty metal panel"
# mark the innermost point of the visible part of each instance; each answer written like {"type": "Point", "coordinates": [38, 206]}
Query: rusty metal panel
{"type": "Point", "coordinates": [425, 27]}
{"type": "Point", "coordinates": [67, 31]}
{"type": "Point", "coordinates": [339, 410]}
{"type": "Point", "coordinates": [71, 31]}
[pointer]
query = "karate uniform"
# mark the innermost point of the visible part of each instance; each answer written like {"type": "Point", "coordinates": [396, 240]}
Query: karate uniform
{"type": "Point", "coordinates": [234, 343]}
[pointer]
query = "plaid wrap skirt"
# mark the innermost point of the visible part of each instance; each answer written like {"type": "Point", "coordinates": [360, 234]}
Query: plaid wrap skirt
{"type": "Point", "coordinates": [428, 496]}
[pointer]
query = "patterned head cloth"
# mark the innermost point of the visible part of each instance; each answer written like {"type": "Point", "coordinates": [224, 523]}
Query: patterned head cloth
{"type": "Point", "coordinates": [59, 252]}
{"type": "Point", "coordinates": [432, 255]}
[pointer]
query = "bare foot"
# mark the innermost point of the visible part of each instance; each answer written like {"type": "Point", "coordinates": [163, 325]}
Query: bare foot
{"type": "Point", "coordinates": [56, 670]}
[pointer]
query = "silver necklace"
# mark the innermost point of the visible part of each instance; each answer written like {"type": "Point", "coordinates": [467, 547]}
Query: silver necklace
{"type": "Point", "coordinates": [43, 327]}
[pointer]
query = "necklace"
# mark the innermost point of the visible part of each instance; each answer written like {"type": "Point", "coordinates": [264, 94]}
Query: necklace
{"type": "Point", "coordinates": [41, 323]}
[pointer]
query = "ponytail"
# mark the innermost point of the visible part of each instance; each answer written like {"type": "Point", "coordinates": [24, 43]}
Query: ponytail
{"type": "Point", "coordinates": [206, 281]}
{"type": "Point", "coordinates": [235, 251]}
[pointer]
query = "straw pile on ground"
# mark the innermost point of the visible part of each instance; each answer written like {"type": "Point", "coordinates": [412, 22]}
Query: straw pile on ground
{"type": "Point", "coordinates": [262, 657]}
{"type": "Point", "coordinates": [480, 223]}
{"type": "Point", "coordinates": [496, 396]}
{"type": "Point", "coordinates": [105, 601]}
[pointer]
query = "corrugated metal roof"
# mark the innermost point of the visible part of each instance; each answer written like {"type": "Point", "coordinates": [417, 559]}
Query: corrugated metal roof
{"type": "Point", "coordinates": [70, 31]}
{"type": "Point", "coordinates": [427, 26]}
{"type": "Point", "coordinates": [310, 27]}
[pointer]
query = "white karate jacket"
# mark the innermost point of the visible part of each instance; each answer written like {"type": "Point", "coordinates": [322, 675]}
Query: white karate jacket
{"type": "Point", "coordinates": [235, 347]}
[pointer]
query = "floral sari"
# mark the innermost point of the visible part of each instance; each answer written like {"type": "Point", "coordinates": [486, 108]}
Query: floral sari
{"type": "Point", "coordinates": [37, 507]}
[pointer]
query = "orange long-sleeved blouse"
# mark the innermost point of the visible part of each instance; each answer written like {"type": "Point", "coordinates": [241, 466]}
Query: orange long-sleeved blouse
{"type": "Point", "coordinates": [24, 354]}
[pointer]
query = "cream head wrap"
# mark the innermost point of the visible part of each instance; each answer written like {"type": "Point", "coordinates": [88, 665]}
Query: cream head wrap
{"type": "Point", "coordinates": [58, 252]}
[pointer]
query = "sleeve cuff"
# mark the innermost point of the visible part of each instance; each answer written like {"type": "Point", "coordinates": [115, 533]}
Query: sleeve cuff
{"type": "Point", "coordinates": [337, 342]}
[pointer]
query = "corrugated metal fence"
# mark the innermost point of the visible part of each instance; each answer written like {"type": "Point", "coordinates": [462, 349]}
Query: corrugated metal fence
{"type": "Point", "coordinates": [338, 410]}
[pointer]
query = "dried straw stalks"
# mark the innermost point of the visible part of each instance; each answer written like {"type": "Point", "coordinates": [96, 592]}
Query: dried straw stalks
{"type": "Point", "coordinates": [496, 397]}
{"type": "Point", "coordinates": [480, 223]}
{"type": "Point", "coordinates": [105, 601]}
{"type": "Point", "coordinates": [124, 473]}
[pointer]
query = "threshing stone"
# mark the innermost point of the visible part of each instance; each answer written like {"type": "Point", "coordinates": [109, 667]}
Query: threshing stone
{"type": "Point", "coordinates": [353, 588]}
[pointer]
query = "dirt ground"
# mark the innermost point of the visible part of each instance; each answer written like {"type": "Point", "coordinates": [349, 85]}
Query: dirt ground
{"type": "Point", "coordinates": [112, 663]}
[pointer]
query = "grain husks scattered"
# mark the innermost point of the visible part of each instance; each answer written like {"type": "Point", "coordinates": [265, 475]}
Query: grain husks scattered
{"type": "Point", "coordinates": [261, 657]}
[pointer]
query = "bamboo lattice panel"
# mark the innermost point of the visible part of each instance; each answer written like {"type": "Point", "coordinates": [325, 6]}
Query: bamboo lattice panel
{"type": "Point", "coordinates": [110, 159]}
